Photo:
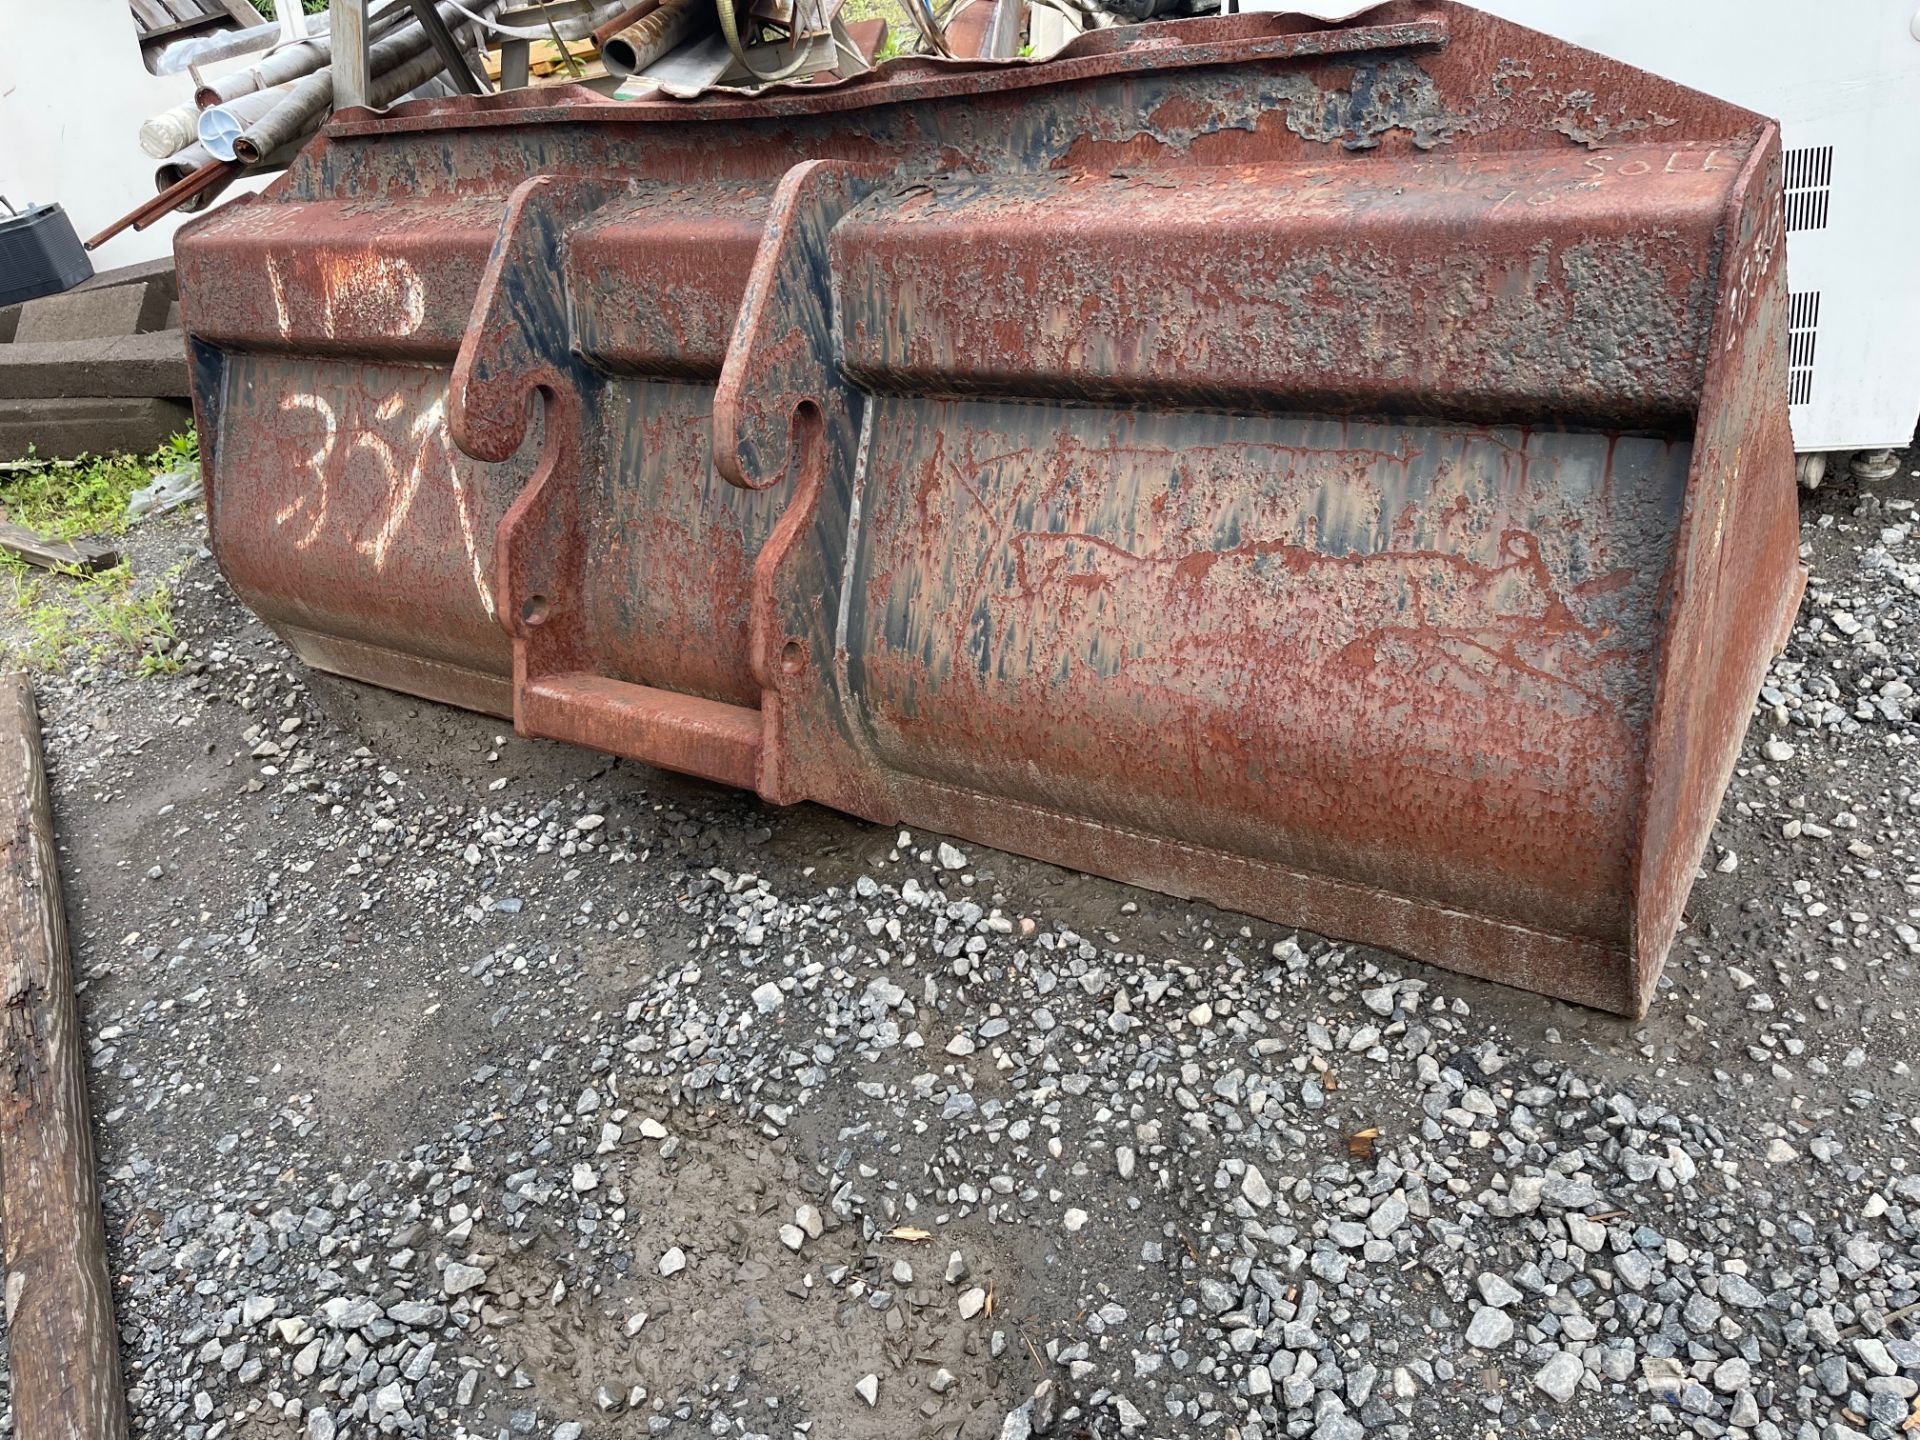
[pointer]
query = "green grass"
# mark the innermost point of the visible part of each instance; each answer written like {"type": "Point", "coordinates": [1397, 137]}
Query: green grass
{"type": "Point", "coordinates": [902, 37]}
{"type": "Point", "coordinates": [58, 616]}
{"type": "Point", "coordinates": [96, 617]}
{"type": "Point", "coordinates": [87, 496]}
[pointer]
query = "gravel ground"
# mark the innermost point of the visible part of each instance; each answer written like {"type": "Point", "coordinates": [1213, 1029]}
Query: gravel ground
{"type": "Point", "coordinates": [451, 1084]}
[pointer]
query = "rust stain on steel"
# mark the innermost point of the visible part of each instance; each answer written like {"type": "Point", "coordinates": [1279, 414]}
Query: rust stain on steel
{"type": "Point", "coordinates": [1563, 294]}
{"type": "Point", "coordinates": [1337, 472]}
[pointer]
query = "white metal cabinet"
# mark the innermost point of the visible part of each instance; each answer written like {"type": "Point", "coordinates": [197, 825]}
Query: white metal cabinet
{"type": "Point", "coordinates": [1843, 79]}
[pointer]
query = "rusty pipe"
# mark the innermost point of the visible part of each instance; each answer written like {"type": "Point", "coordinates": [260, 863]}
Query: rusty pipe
{"type": "Point", "coordinates": [654, 35]}
{"type": "Point", "coordinates": [628, 17]}
{"type": "Point", "coordinates": [306, 103]}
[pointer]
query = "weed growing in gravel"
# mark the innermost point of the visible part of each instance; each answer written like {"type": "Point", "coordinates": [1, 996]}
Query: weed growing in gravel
{"type": "Point", "coordinates": [87, 496]}
{"type": "Point", "coordinates": [55, 617]}
{"type": "Point", "coordinates": [66, 616]}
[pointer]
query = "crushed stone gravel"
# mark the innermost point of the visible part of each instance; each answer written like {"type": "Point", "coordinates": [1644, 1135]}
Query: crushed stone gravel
{"type": "Point", "coordinates": [450, 1084]}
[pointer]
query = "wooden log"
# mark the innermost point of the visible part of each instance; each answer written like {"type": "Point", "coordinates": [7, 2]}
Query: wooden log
{"type": "Point", "coordinates": [60, 1330]}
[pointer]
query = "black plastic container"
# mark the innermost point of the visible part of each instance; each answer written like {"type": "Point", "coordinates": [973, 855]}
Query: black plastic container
{"type": "Point", "coordinates": [39, 254]}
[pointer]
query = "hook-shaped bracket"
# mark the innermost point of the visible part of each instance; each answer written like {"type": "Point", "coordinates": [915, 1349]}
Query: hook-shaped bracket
{"type": "Point", "coordinates": [782, 355]}
{"type": "Point", "coordinates": [518, 346]}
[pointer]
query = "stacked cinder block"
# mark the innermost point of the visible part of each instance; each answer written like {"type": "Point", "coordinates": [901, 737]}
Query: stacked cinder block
{"type": "Point", "coordinates": [101, 367]}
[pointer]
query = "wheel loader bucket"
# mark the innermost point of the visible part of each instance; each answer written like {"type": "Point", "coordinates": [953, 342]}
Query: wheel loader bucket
{"type": "Point", "coordinates": [1336, 471]}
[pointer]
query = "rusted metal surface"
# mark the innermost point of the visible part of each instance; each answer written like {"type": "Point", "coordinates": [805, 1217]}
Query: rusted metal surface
{"type": "Point", "coordinates": [1340, 472]}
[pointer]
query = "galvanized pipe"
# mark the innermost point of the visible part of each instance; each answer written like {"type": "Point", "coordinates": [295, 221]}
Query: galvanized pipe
{"type": "Point", "coordinates": [654, 35]}
{"type": "Point", "coordinates": [290, 63]}
{"type": "Point", "coordinates": [220, 125]}
{"type": "Point", "coordinates": [311, 97]}
{"type": "Point", "coordinates": [401, 81]}
{"type": "Point", "coordinates": [177, 167]}
{"type": "Point", "coordinates": [275, 69]}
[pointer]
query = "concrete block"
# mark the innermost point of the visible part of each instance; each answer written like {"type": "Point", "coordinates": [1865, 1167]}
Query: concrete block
{"type": "Point", "coordinates": [92, 314]}
{"type": "Point", "coordinates": [154, 274]}
{"type": "Point", "coordinates": [92, 426]}
{"type": "Point", "coordinates": [148, 272]}
{"type": "Point", "coordinates": [135, 365]}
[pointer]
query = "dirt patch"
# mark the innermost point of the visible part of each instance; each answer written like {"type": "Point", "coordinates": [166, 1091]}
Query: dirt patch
{"type": "Point", "coordinates": [795, 1332]}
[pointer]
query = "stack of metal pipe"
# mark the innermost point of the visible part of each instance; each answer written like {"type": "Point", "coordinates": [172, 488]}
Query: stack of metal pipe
{"type": "Point", "coordinates": [256, 118]}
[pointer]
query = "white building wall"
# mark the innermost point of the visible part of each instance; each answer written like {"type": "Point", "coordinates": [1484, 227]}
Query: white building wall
{"type": "Point", "coordinates": [73, 93]}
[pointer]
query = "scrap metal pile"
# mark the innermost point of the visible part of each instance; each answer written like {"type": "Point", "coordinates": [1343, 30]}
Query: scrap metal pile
{"type": "Point", "coordinates": [1402, 563]}
{"type": "Point", "coordinates": [255, 118]}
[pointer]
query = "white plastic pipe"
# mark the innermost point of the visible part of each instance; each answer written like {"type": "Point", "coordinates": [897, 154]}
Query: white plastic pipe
{"type": "Point", "coordinates": [225, 44]}
{"type": "Point", "coordinates": [170, 131]}
{"type": "Point", "coordinates": [219, 126]}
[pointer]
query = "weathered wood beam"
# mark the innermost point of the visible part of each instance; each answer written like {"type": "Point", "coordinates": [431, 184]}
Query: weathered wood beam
{"type": "Point", "coordinates": [60, 1330]}
{"type": "Point", "coordinates": [48, 553]}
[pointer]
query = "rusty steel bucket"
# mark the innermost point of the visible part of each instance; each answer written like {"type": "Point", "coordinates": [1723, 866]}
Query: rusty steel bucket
{"type": "Point", "coordinates": [1336, 471]}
